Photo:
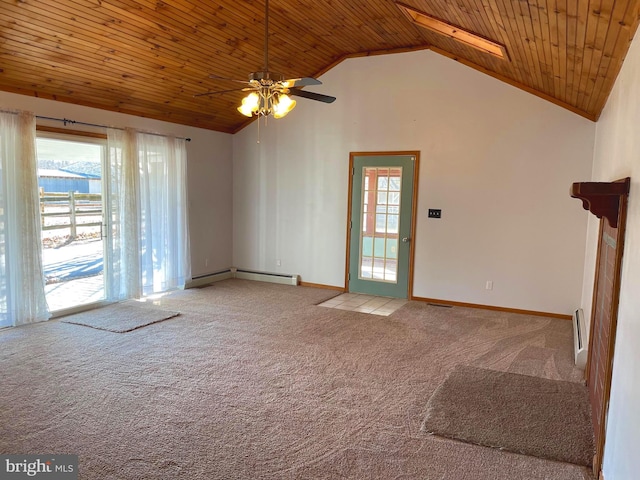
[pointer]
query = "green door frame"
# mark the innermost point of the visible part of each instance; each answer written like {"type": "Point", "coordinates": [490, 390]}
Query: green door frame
{"type": "Point", "coordinates": [414, 205]}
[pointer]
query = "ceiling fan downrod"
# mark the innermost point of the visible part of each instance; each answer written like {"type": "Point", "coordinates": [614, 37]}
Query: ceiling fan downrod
{"type": "Point", "coordinates": [266, 37]}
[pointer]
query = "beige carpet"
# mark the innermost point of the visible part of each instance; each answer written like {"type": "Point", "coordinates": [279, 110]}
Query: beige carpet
{"type": "Point", "coordinates": [520, 413]}
{"type": "Point", "coordinates": [256, 382]}
{"type": "Point", "coordinates": [121, 317]}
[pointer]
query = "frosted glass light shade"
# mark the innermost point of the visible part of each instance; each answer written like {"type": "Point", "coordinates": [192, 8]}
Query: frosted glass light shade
{"type": "Point", "coordinates": [250, 104]}
{"type": "Point", "coordinates": [284, 106]}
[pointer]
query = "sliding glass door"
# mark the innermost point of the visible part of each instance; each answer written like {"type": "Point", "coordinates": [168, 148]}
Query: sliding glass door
{"type": "Point", "coordinates": [72, 200]}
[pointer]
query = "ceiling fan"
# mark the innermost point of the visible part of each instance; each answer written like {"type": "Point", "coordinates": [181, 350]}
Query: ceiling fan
{"type": "Point", "coordinates": [269, 91]}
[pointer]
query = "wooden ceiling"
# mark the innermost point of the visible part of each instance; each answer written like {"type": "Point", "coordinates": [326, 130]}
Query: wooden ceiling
{"type": "Point", "coordinates": [149, 57]}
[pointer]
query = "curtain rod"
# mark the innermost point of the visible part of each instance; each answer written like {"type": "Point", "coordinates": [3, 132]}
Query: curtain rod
{"type": "Point", "coordinates": [74, 122]}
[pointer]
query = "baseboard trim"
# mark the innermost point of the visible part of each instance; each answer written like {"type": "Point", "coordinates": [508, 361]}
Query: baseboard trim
{"type": "Point", "coordinates": [208, 279]}
{"type": "Point", "coordinates": [321, 285]}
{"type": "Point", "coordinates": [287, 279]}
{"type": "Point", "coordinates": [492, 307]}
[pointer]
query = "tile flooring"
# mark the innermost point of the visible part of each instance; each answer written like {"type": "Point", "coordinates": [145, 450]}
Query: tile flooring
{"type": "Point", "coordinates": [357, 302]}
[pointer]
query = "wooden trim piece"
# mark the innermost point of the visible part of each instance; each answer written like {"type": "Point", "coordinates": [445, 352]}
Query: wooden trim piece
{"type": "Point", "coordinates": [602, 198]}
{"type": "Point", "coordinates": [536, 313]}
{"type": "Point", "coordinates": [414, 220]}
{"type": "Point", "coordinates": [67, 131]}
{"type": "Point", "coordinates": [384, 154]}
{"type": "Point", "coordinates": [615, 302]}
{"type": "Point", "coordinates": [454, 32]}
{"type": "Point", "coordinates": [513, 83]}
{"type": "Point", "coordinates": [348, 229]}
{"type": "Point", "coordinates": [321, 285]}
{"type": "Point", "coordinates": [594, 300]}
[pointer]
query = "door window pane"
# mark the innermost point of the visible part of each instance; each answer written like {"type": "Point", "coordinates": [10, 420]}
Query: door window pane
{"type": "Point", "coordinates": [367, 246]}
{"type": "Point", "coordinates": [380, 223]}
{"type": "Point", "coordinates": [391, 270]}
{"type": "Point", "coordinates": [366, 269]}
{"type": "Point", "coordinates": [393, 222]}
{"type": "Point", "coordinates": [379, 247]}
{"type": "Point", "coordinates": [392, 248]}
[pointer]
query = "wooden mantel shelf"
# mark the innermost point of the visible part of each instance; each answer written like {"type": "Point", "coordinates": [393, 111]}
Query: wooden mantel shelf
{"type": "Point", "coordinates": [602, 198]}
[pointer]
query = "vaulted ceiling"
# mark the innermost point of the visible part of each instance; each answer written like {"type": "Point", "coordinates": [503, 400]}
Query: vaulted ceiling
{"type": "Point", "coordinates": [149, 57]}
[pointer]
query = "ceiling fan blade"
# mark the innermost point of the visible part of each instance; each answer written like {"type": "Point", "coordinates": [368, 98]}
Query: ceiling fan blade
{"type": "Point", "coordinates": [218, 77]}
{"type": "Point", "coordinates": [312, 95]}
{"type": "Point", "coordinates": [302, 82]}
{"type": "Point", "coordinates": [246, 89]}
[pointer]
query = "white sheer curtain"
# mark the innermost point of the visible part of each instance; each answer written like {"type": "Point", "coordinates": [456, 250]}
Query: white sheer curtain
{"type": "Point", "coordinates": [164, 231]}
{"type": "Point", "coordinates": [123, 264]}
{"type": "Point", "coordinates": [22, 298]}
{"type": "Point", "coordinates": [150, 243]}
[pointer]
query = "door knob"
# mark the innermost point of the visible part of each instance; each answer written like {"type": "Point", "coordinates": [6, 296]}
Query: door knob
{"type": "Point", "coordinates": [406, 239]}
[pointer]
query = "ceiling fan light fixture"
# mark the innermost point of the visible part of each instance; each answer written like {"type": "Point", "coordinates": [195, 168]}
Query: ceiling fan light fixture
{"type": "Point", "coordinates": [269, 90]}
{"type": "Point", "coordinates": [250, 104]}
{"type": "Point", "coordinates": [283, 106]}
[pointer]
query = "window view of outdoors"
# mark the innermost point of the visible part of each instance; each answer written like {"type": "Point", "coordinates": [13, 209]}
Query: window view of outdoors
{"type": "Point", "coordinates": [70, 188]}
{"type": "Point", "coordinates": [380, 224]}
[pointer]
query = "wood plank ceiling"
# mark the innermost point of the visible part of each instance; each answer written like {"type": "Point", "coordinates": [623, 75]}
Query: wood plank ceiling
{"type": "Point", "coordinates": [149, 57]}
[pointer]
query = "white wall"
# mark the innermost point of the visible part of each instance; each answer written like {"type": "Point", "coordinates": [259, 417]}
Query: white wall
{"type": "Point", "coordinates": [209, 173]}
{"type": "Point", "coordinates": [617, 155]}
{"type": "Point", "coordinates": [498, 162]}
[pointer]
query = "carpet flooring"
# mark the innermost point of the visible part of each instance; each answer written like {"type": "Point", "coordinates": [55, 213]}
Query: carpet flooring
{"type": "Point", "coordinates": [254, 381]}
{"type": "Point", "coordinates": [520, 413]}
{"type": "Point", "coordinates": [121, 317]}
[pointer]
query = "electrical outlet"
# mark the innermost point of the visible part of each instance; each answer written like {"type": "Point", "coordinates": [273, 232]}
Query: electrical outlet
{"type": "Point", "coordinates": [435, 213]}
{"type": "Point", "coordinates": [278, 263]}
{"type": "Point", "coordinates": [489, 285]}
{"type": "Point", "coordinates": [206, 262]}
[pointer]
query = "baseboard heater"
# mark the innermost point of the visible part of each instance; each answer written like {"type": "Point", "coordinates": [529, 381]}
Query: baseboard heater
{"type": "Point", "coordinates": [282, 278]}
{"type": "Point", "coordinates": [209, 278]}
{"type": "Point", "coordinates": [580, 342]}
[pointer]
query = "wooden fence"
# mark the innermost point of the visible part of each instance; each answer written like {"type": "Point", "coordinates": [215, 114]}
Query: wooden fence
{"type": "Point", "coordinates": [70, 205]}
